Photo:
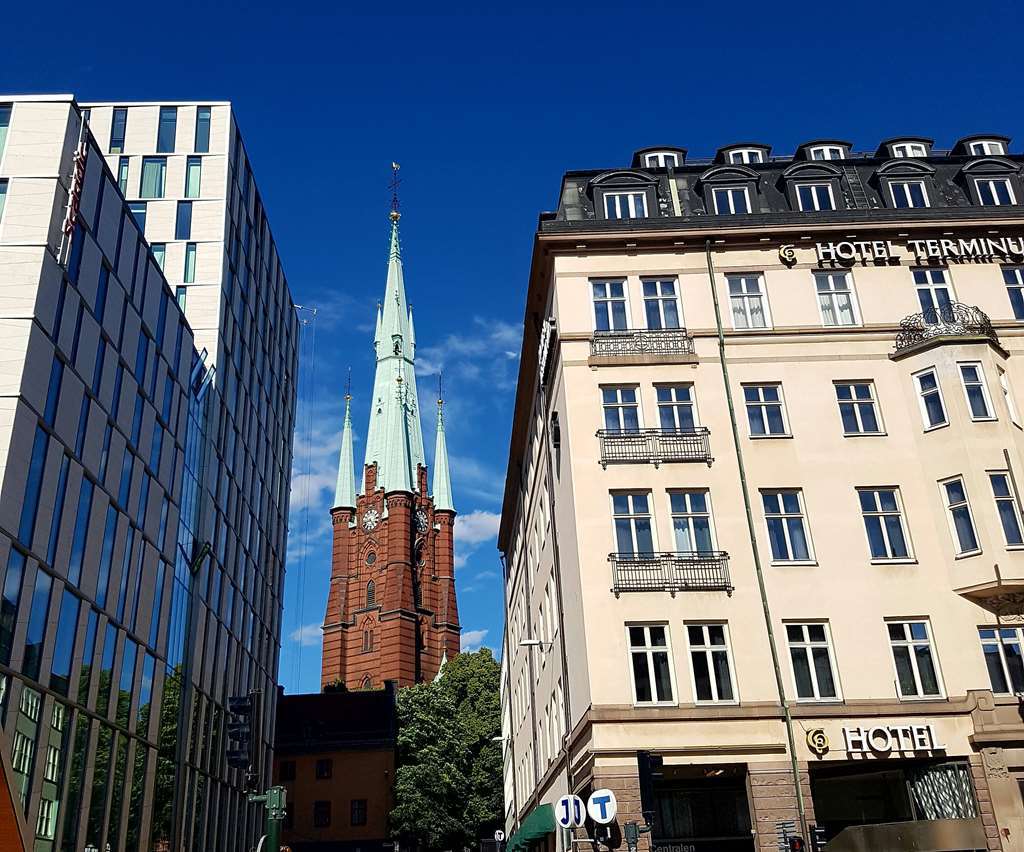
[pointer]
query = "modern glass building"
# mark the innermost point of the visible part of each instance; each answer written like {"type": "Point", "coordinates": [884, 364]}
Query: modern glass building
{"type": "Point", "coordinates": [144, 451]}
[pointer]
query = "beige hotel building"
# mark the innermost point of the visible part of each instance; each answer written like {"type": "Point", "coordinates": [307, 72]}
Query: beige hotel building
{"type": "Point", "coordinates": [762, 525]}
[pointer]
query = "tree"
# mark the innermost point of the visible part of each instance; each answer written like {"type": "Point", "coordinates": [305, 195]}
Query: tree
{"type": "Point", "coordinates": [448, 784]}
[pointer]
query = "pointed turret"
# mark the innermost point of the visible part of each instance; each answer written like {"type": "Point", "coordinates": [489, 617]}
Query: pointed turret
{"type": "Point", "coordinates": [376, 333]}
{"type": "Point", "coordinates": [442, 487]}
{"type": "Point", "coordinates": [345, 491]}
{"type": "Point", "coordinates": [412, 335]}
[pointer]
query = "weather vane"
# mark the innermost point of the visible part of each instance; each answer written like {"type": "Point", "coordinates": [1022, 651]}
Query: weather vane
{"type": "Point", "coordinates": [393, 186]}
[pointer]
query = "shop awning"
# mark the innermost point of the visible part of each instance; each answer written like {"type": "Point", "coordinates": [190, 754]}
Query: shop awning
{"type": "Point", "coordinates": [538, 823]}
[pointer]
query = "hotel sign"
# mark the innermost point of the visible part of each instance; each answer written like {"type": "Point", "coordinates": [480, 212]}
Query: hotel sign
{"type": "Point", "coordinates": [946, 249]}
{"type": "Point", "coordinates": [883, 740]}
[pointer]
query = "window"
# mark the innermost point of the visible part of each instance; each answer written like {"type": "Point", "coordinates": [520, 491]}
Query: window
{"type": "Point", "coordinates": [3, 197]}
{"type": "Point", "coordinates": [917, 675]}
{"type": "Point", "coordinates": [324, 768]}
{"type": "Point", "coordinates": [986, 148]}
{"type": "Point", "coordinates": [286, 770]}
{"type": "Point", "coordinates": [167, 130]}
{"type": "Point", "coordinates": [67, 626]}
{"type": "Point", "coordinates": [159, 254]}
{"type": "Point", "coordinates": [961, 521]}
{"type": "Point", "coordinates": [30, 502]}
{"type": "Point", "coordinates": [709, 662]}
{"type": "Point", "coordinates": [661, 304]}
{"type": "Point", "coordinates": [609, 305]}
{"type": "Point", "coordinates": [784, 514]}
{"type": "Point", "coordinates": [813, 671]}
{"type": "Point", "coordinates": [180, 296]}
{"type": "Point", "coordinates": [154, 177]}
{"type": "Point", "coordinates": [649, 656]}
{"type": "Point", "coordinates": [9, 601]}
{"type": "Point", "coordinates": [621, 412]}
{"type": "Point", "coordinates": [183, 221]}
{"type": "Point", "coordinates": [746, 155]}
{"type": "Point", "coordinates": [827, 152]}
{"type": "Point", "coordinates": [908, 193]}
{"type": "Point", "coordinates": [815, 196]}
{"type": "Point", "coordinates": [1013, 277]}
{"type": "Point", "coordinates": [189, 275]}
{"type": "Point", "coordinates": [358, 812]}
{"type": "Point", "coordinates": [122, 175]}
{"type": "Point", "coordinates": [835, 298]}
{"type": "Point", "coordinates": [929, 397]}
{"type": "Point", "coordinates": [625, 205]}
{"type": "Point", "coordinates": [1011, 406]}
{"type": "Point", "coordinates": [138, 211]}
{"type": "Point", "coordinates": [53, 391]}
{"type": "Point", "coordinates": [676, 412]}
{"type": "Point", "coordinates": [883, 521]}
{"type": "Point", "coordinates": [632, 518]}
{"type": "Point", "coordinates": [1003, 658]}
{"type": "Point", "coordinates": [691, 521]}
{"type": "Point", "coordinates": [321, 814]}
{"type": "Point", "coordinates": [371, 594]}
{"type": "Point", "coordinates": [117, 130]}
{"type": "Point", "coordinates": [909, 149]}
{"type": "Point", "coordinates": [1006, 507]}
{"type": "Point", "coordinates": [995, 192]}
{"type": "Point", "coordinates": [857, 408]}
{"type": "Point", "coordinates": [193, 176]}
{"type": "Point", "coordinates": [976, 391]}
{"type": "Point", "coordinates": [5, 123]}
{"type": "Point", "coordinates": [731, 200]}
{"type": "Point", "coordinates": [661, 159]}
{"type": "Point", "coordinates": [765, 412]}
{"type": "Point", "coordinates": [202, 144]}
{"type": "Point", "coordinates": [746, 298]}
{"type": "Point", "coordinates": [933, 293]}
{"type": "Point", "coordinates": [36, 631]}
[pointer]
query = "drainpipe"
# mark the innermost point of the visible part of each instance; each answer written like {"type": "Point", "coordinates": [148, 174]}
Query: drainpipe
{"type": "Point", "coordinates": [783, 703]}
{"type": "Point", "coordinates": [507, 660]}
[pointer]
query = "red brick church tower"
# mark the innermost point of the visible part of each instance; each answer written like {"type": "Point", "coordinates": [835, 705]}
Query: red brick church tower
{"type": "Point", "coordinates": [391, 609]}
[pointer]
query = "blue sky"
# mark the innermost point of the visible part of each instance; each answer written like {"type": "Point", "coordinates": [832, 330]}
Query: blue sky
{"type": "Point", "coordinates": [485, 108]}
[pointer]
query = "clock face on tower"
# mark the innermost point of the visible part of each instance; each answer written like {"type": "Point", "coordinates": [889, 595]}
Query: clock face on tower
{"type": "Point", "coordinates": [371, 517]}
{"type": "Point", "coordinates": [421, 521]}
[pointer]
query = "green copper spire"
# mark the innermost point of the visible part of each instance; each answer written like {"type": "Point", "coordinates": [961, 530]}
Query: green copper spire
{"type": "Point", "coordinates": [395, 439]}
{"type": "Point", "coordinates": [442, 486]}
{"type": "Point", "coordinates": [345, 491]}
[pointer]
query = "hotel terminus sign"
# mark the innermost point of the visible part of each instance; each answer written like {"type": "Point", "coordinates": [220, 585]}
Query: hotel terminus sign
{"type": "Point", "coordinates": [945, 249]}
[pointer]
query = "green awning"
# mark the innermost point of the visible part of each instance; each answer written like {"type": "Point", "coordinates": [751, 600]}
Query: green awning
{"type": "Point", "coordinates": [539, 822]}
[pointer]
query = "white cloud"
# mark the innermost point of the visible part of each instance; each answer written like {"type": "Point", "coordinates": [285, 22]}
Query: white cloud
{"type": "Point", "coordinates": [470, 357]}
{"type": "Point", "coordinates": [476, 527]}
{"type": "Point", "coordinates": [309, 634]}
{"type": "Point", "coordinates": [472, 640]}
{"type": "Point", "coordinates": [460, 560]}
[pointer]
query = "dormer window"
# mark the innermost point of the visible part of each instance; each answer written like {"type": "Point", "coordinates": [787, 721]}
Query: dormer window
{"type": "Point", "coordinates": [986, 148]}
{"type": "Point", "coordinates": [746, 155]}
{"type": "Point", "coordinates": [994, 192]}
{"type": "Point", "coordinates": [815, 196]}
{"type": "Point", "coordinates": [826, 152]}
{"type": "Point", "coordinates": [625, 205]}
{"type": "Point", "coordinates": [908, 193]}
{"type": "Point", "coordinates": [730, 200]}
{"type": "Point", "coordinates": [909, 149]}
{"type": "Point", "coordinates": [661, 159]}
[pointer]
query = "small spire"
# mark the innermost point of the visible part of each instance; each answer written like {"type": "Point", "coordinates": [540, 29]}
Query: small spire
{"type": "Point", "coordinates": [393, 186]}
{"type": "Point", "coordinates": [412, 334]}
{"type": "Point", "coordinates": [345, 491]}
{"type": "Point", "coordinates": [442, 486]}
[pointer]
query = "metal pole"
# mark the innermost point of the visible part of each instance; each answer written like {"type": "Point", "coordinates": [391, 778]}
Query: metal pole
{"type": "Point", "coordinates": [786, 715]}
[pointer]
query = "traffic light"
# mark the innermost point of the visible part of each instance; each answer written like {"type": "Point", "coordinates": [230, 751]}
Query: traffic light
{"type": "Point", "coordinates": [240, 746]}
{"type": "Point", "coordinates": [796, 844]}
{"type": "Point", "coordinates": [649, 768]}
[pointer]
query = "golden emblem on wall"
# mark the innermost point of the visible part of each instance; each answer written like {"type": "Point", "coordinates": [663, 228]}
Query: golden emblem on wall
{"type": "Point", "coordinates": [817, 741]}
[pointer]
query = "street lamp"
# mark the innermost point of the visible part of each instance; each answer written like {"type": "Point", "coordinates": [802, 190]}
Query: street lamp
{"type": "Point", "coordinates": [535, 643]}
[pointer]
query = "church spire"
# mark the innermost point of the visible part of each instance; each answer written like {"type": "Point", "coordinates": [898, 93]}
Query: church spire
{"type": "Point", "coordinates": [345, 491]}
{"type": "Point", "coordinates": [442, 486]}
{"type": "Point", "coordinates": [395, 439]}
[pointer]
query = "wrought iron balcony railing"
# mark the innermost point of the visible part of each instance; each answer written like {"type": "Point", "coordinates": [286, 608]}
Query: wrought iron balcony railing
{"type": "Point", "coordinates": [641, 341]}
{"type": "Point", "coordinates": [679, 571]}
{"type": "Point", "coordinates": [655, 445]}
{"type": "Point", "coordinates": [953, 320]}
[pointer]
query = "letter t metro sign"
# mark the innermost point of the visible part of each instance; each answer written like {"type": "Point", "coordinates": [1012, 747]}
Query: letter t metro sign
{"type": "Point", "coordinates": [602, 806]}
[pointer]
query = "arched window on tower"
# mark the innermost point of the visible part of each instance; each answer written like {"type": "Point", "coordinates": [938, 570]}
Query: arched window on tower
{"type": "Point", "coordinates": [371, 594]}
{"type": "Point", "coordinates": [367, 641]}
{"type": "Point", "coordinates": [367, 682]}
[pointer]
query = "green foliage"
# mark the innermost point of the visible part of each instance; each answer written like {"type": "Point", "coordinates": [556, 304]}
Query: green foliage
{"type": "Point", "coordinates": [448, 785]}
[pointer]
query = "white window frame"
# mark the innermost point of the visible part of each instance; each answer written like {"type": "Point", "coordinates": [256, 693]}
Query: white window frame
{"type": "Point", "coordinates": [936, 279]}
{"type": "Point", "coordinates": [1013, 279]}
{"type": "Point", "coordinates": [928, 427]}
{"type": "Point", "coordinates": [659, 159]}
{"type": "Point", "coordinates": [745, 296]}
{"type": "Point", "coordinates": [999, 641]}
{"type": "Point", "coordinates": [905, 184]}
{"type": "Point", "coordinates": [814, 185]}
{"type": "Point", "coordinates": [648, 649]}
{"type": "Point", "coordinates": [831, 276]}
{"type": "Point", "coordinates": [986, 148]}
{"type": "Point", "coordinates": [786, 433]}
{"type": "Point", "coordinates": [607, 299]}
{"type": "Point", "coordinates": [689, 515]}
{"type": "Point", "coordinates": [909, 150]}
{"type": "Point", "coordinates": [708, 650]}
{"type": "Point", "coordinates": [1013, 499]}
{"type": "Point", "coordinates": [1011, 404]}
{"type": "Point", "coordinates": [732, 207]}
{"type": "Point", "coordinates": [807, 645]}
{"type": "Point", "coordinates": [746, 156]}
{"type": "Point", "coordinates": [900, 514]}
{"type": "Point", "coordinates": [674, 403]}
{"type": "Point", "coordinates": [930, 639]}
{"type": "Point", "coordinates": [856, 403]}
{"type": "Point", "coordinates": [949, 507]}
{"type": "Point", "coordinates": [826, 152]}
{"type": "Point", "coordinates": [783, 514]}
{"type": "Point", "coordinates": [631, 207]}
{"type": "Point", "coordinates": [618, 405]}
{"type": "Point", "coordinates": [632, 516]}
{"type": "Point", "coordinates": [992, 181]}
{"type": "Point", "coordinates": [658, 281]}
{"type": "Point", "coordinates": [982, 383]}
